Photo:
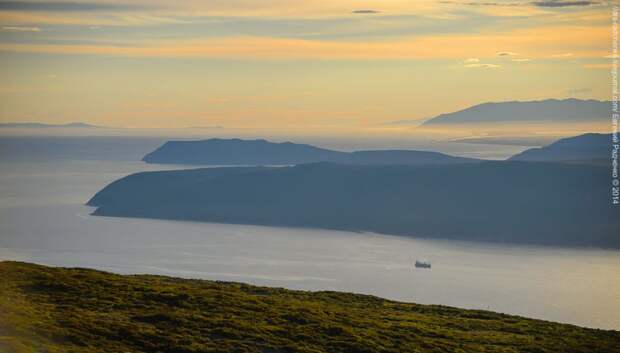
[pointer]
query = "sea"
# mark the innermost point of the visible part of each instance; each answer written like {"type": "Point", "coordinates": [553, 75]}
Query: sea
{"type": "Point", "coordinates": [45, 182]}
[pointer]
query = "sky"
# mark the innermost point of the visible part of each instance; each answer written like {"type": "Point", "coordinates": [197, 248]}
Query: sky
{"type": "Point", "coordinates": [292, 64]}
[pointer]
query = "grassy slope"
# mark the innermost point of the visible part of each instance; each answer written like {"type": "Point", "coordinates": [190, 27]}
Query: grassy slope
{"type": "Point", "coordinates": [45, 309]}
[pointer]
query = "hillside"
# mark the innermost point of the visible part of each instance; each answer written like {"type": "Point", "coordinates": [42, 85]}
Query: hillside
{"type": "Point", "coordinates": [492, 201]}
{"type": "Point", "coordinates": [46, 309]}
{"type": "Point", "coordinates": [262, 152]}
{"type": "Point", "coordinates": [550, 110]}
{"type": "Point", "coordinates": [586, 147]}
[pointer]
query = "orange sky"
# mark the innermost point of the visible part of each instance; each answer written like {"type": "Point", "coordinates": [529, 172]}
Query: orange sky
{"type": "Point", "coordinates": [344, 65]}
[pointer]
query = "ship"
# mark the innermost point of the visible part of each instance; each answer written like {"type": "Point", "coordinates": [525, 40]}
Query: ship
{"type": "Point", "coordinates": [422, 264]}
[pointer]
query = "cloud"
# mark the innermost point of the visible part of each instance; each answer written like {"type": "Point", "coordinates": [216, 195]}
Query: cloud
{"type": "Point", "coordinates": [471, 60]}
{"type": "Point", "coordinates": [365, 11]}
{"type": "Point", "coordinates": [483, 66]}
{"type": "Point", "coordinates": [21, 29]}
{"type": "Point", "coordinates": [66, 6]}
{"type": "Point", "coordinates": [591, 42]}
{"type": "Point", "coordinates": [484, 3]}
{"type": "Point", "coordinates": [521, 60]}
{"type": "Point", "coordinates": [562, 55]}
{"type": "Point", "coordinates": [561, 3]}
{"type": "Point", "coordinates": [228, 8]}
{"type": "Point", "coordinates": [543, 3]}
{"type": "Point", "coordinates": [506, 53]}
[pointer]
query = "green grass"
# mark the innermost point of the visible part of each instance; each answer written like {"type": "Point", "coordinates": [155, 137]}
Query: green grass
{"type": "Point", "coordinates": [45, 309]}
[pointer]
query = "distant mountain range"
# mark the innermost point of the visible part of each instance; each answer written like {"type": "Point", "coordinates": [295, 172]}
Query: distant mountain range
{"type": "Point", "coordinates": [509, 201]}
{"type": "Point", "coordinates": [41, 125]}
{"type": "Point", "coordinates": [550, 110]}
{"type": "Point", "coordinates": [262, 152]}
{"type": "Point", "coordinates": [586, 147]}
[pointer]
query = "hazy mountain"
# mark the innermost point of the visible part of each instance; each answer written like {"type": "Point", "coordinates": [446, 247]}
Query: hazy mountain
{"type": "Point", "coordinates": [261, 152]}
{"type": "Point", "coordinates": [41, 125]}
{"type": "Point", "coordinates": [239, 152]}
{"type": "Point", "coordinates": [586, 147]}
{"type": "Point", "coordinates": [404, 157]}
{"type": "Point", "coordinates": [492, 201]}
{"type": "Point", "coordinates": [550, 110]}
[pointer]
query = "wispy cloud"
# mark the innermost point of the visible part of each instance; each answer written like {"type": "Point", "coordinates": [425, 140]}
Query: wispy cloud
{"type": "Point", "coordinates": [483, 66]}
{"type": "Point", "coordinates": [562, 3]}
{"type": "Point", "coordinates": [20, 29]}
{"type": "Point", "coordinates": [544, 3]}
{"type": "Point", "coordinates": [65, 6]}
{"type": "Point", "coordinates": [506, 53]}
{"type": "Point", "coordinates": [476, 63]}
{"type": "Point", "coordinates": [365, 11]}
{"type": "Point", "coordinates": [540, 42]}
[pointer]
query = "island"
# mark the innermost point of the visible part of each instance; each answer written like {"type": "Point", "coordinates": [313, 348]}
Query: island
{"type": "Point", "coordinates": [47, 309]}
{"type": "Point", "coordinates": [499, 201]}
{"type": "Point", "coordinates": [235, 151]}
{"type": "Point", "coordinates": [586, 148]}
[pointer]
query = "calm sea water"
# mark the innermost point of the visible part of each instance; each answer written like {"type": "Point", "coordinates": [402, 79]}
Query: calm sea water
{"type": "Point", "coordinates": [43, 220]}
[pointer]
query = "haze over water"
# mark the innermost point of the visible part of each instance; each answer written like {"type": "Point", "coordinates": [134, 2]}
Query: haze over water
{"type": "Point", "coordinates": [43, 220]}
